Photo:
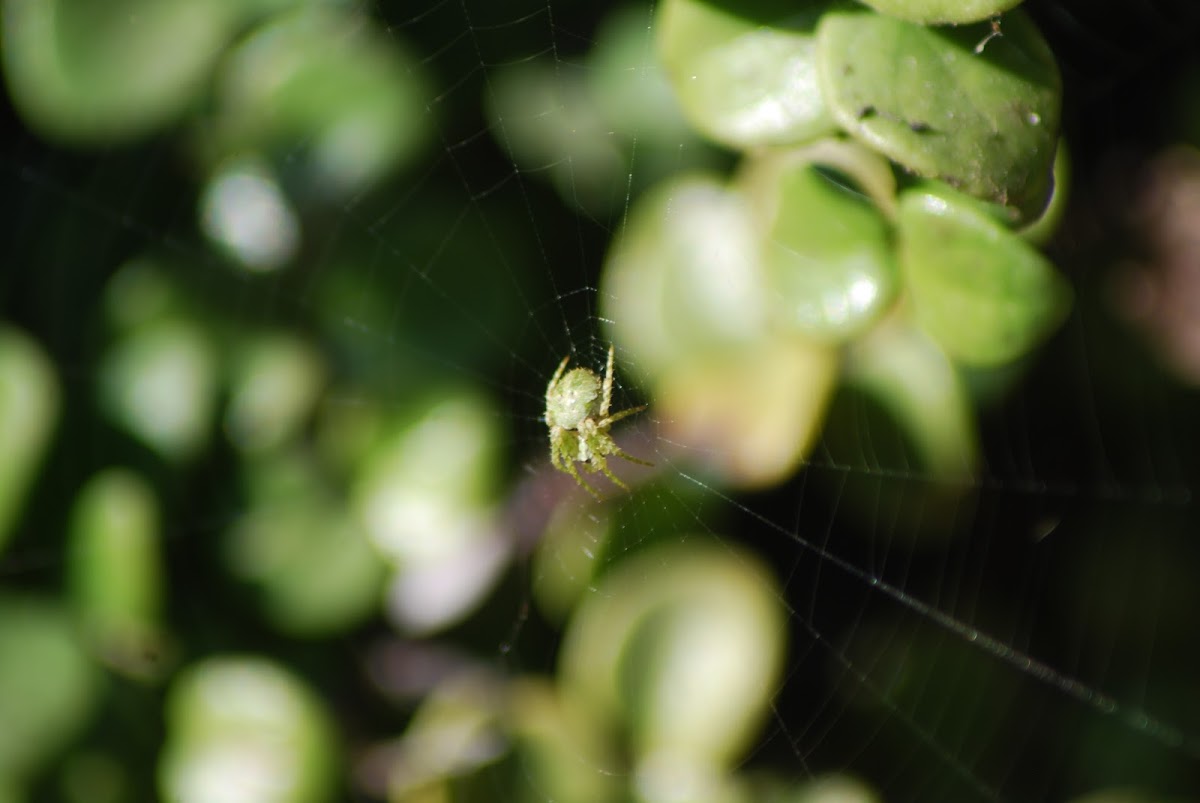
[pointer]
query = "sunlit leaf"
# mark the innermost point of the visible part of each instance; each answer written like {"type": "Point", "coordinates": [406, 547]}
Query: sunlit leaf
{"type": "Point", "coordinates": [247, 724]}
{"type": "Point", "coordinates": [827, 258]}
{"type": "Point", "coordinates": [751, 415]}
{"type": "Point", "coordinates": [685, 276]}
{"type": "Point", "coordinates": [983, 293]}
{"type": "Point", "coordinates": [160, 383]}
{"type": "Point", "coordinates": [930, 12]}
{"type": "Point", "coordinates": [744, 77]}
{"type": "Point", "coordinates": [943, 103]}
{"type": "Point", "coordinates": [672, 626]}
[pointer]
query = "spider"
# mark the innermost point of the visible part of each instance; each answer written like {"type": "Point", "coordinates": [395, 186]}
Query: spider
{"type": "Point", "coordinates": [577, 414]}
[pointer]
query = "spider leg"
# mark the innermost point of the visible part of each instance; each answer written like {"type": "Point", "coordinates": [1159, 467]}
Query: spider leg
{"type": "Point", "coordinates": [629, 457]}
{"type": "Point", "coordinates": [599, 464]}
{"type": "Point", "coordinates": [607, 422]}
{"type": "Point", "coordinates": [608, 382]}
{"type": "Point", "coordinates": [583, 483]}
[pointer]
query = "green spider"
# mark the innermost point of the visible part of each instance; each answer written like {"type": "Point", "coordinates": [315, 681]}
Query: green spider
{"type": "Point", "coordinates": [577, 414]}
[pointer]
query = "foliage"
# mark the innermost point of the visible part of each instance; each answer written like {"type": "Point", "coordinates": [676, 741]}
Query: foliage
{"type": "Point", "coordinates": [270, 522]}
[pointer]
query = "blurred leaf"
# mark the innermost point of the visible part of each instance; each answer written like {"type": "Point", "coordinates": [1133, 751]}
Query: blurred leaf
{"type": "Point", "coordinates": [245, 724]}
{"type": "Point", "coordinates": [568, 557]}
{"type": "Point", "coordinates": [629, 85]}
{"type": "Point", "coordinates": [984, 294]}
{"type": "Point", "coordinates": [77, 70]}
{"type": "Point", "coordinates": [277, 379]}
{"type": "Point", "coordinates": [833, 789]}
{"type": "Point", "coordinates": [29, 400]}
{"type": "Point", "coordinates": [48, 685]}
{"type": "Point", "coordinates": [332, 82]}
{"type": "Point", "coordinates": [160, 383]}
{"type": "Point", "coordinates": [548, 120]}
{"type": "Point", "coordinates": [566, 758]}
{"type": "Point", "coordinates": [828, 262]}
{"type": "Point", "coordinates": [115, 569]}
{"type": "Point", "coordinates": [455, 731]}
{"type": "Point", "coordinates": [751, 414]}
{"type": "Point", "coordinates": [744, 79]}
{"type": "Point", "coordinates": [930, 12]}
{"type": "Point", "coordinates": [95, 777]}
{"type": "Point", "coordinates": [913, 380]}
{"type": "Point", "coordinates": [841, 159]}
{"type": "Point", "coordinates": [985, 122]}
{"type": "Point", "coordinates": [246, 214]}
{"type": "Point", "coordinates": [314, 567]}
{"type": "Point", "coordinates": [672, 625]}
{"type": "Point", "coordinates": [684, 276]}
{"type": "Point", "coordinates": [425, 497]}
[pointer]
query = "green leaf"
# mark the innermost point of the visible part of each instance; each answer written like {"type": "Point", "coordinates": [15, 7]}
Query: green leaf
{"type": "Point", "coordinates": [29, 401]}
{"type": "Point", "coordinates": [932, 12]}
{"type": "Point", "coordinates": [980, 113]}
{"type": "Point", "coordinates": [116, 570]}
{"type": "Point", "coordinates": [48, 685]}
{"type": "Point", "coordinates": [160, 383]}
{"type": "Point", "coordinates": [247, 723]}
{"type": "Point", "coordinates": [314, 570]}
{"type": "Point", "coordinates": [108, 72]}
{"type": "Point", "coordinates": [978, 289]}
{"type": "Point", "coordinates": [827, 256]}
{"type": "Point", "coordinates": [684, 277]}
{"type": "Point", "coordinates": [744, 79]}
{"type": "Point", "coordinates": [670, 625]}
{"type": "Point", "coordinates": [343, 87]}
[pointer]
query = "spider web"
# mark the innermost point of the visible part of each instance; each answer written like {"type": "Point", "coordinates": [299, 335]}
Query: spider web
{"type": "Point", "coordinates": [1043, 650]}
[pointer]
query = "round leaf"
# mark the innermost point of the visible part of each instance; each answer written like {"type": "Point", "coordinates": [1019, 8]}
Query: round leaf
{"type": "Point", "coordinates": [48, 685]}
{"type": "Point", "coordinates": [246, 724]}
{"type": "Point", "coordinates": [107, 72]}
{"type": "Point", "coordinates": [29, 402]}
{"type": "Point", "coordinates": [744, 79]}
{"type": "Point", "coordinates": [827, 257]}
{"type": "Point", "coordinates": [979, 111]}
{"type": "Point", "coordinates": [116, 571]}
{"type": "Point", "coordinates": [671, 626]}
{"type": "Point", "coordinates": [932, 12]}
{"type": "Point", "coordinates": [983, 293]}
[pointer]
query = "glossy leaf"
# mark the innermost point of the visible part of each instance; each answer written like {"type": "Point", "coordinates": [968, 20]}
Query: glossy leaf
{"type": "Point", "coordinates": [983, 293]}
{"type": "Point", "coordinates": [744, 79]}
{"type": "Point", "coordinates": [981, 114]}
{"type": "Point", "coordinates": [685, 275]}
{"type": "Point", "coordinates": [933, 12]}
{"type": "Point", "coordinates": [827, 258]}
